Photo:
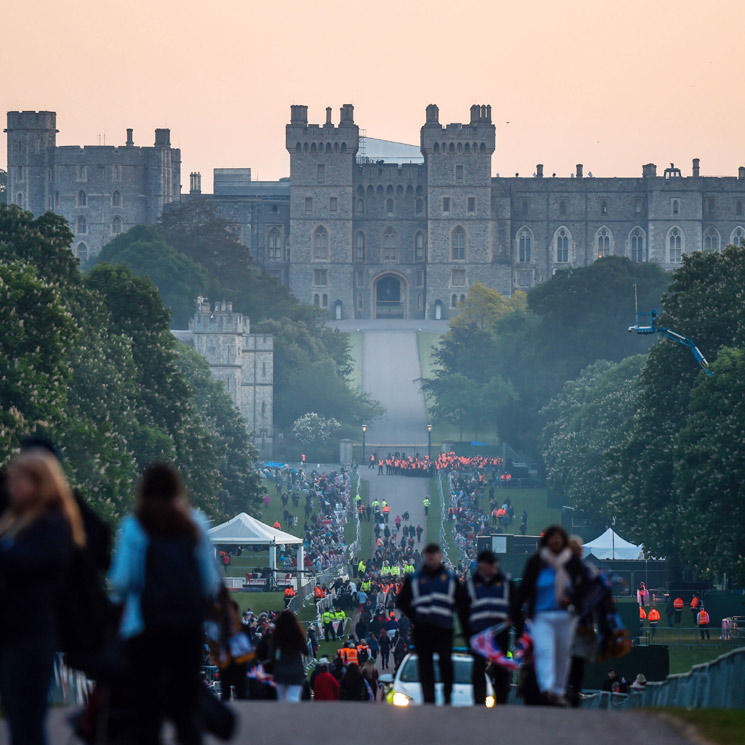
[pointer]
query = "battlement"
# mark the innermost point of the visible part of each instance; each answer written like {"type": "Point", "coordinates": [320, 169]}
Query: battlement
{"type": "Point", "coordinates": [302, 137]}
{"type": "Point", "coordinates": [35, 120]}
{"type": "Point", "coordinates": [218, 320]}
{"type": "Point", "coordinates": [408, 172]}
{"type": "Point", "coordinates": [476, 137]}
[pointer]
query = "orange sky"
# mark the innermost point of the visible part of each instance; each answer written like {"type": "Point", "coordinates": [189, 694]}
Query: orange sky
{"type": "Point", "coordinates": [611, 85]}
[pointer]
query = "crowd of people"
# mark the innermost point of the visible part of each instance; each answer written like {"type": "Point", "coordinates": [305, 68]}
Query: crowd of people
{"type": "Point", "coordinates": [399, 464]}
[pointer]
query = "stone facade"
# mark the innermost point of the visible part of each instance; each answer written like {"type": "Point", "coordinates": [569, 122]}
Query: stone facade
{"type": "Point", "coordinates": [367, 239]}
{"type": "Point", "coordinates": [243, 361]}
{"type": "Point", "coordinates": [101, 190]}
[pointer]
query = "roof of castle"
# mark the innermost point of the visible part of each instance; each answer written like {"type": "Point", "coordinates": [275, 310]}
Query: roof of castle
{"type": "Point", "coordinates": [373, 149]}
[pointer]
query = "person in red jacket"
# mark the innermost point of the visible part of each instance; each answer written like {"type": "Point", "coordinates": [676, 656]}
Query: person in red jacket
{"type": "Point", "coordinates": [326, 687]}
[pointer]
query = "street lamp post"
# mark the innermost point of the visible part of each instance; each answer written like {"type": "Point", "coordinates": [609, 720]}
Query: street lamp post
{"type": "Point", "coordinates": [429, 441]}
{"type": "Point", "coordinates": [364, 431]}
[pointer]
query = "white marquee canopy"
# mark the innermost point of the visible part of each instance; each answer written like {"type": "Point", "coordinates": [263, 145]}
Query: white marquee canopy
{"type": "Point", "coordinates": [610, 545]}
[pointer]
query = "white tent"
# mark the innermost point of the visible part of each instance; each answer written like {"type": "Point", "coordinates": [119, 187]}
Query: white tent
{"type": "Point", "coordinates": [244, 530]}
{"type": "Point", "coordinates": [610, 545]}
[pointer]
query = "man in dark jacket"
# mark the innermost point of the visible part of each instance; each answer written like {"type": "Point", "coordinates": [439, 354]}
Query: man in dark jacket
{"type": "Point", "coordinates": [428, 599]}
{"type": "Point", "coordinates": [490, 599]}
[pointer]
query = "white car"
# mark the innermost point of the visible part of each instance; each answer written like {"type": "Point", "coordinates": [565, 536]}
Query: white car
{"type": "Point", "coordinates": [405, 689]}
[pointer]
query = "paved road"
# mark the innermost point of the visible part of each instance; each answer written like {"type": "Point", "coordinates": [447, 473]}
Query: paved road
{"type": "Point", "coordinates": [403, 494]}
{"type": "Point", "coordinates": [390, 365]}
{"type": "Point", "coordinates": [270, 723]}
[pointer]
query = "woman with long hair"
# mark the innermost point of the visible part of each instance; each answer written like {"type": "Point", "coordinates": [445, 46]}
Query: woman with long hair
{"type": "Point", "coordinates": [370, 674]}
{"type": "Point", "coordinates": [353, 686]}
{"type": "Point", "coordinates": [38, 532]}
{"type": "Point", "coordinates": [552, 586]}
{"type": "Point", "coordinates": [164, 573]}
{"type": "Point", "coordinates": [286, 646]}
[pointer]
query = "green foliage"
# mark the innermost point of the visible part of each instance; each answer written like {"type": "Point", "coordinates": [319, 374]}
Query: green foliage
{"type": "Point", "coordinates": [572, 320]}
{"type": "Point", "coordinates": [93, 364]}
{"type": "Point", "coordinates": [585, 420]}
{"type": "Point", "coordinates": [179, 279]}
{"type": "Point", "coordinates": [657, 499]}
{"type": "Point", "coordinates": [3, 186]}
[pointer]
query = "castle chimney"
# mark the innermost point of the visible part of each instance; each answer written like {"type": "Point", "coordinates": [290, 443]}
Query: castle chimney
{"type": "Point", "coordinates": [649, 170]}
{"type": "Point", "coordinates": [539, 170]}
{"type": "Point", "coordinates": [696, 168]}
{"type": "Point", "coordinates": [741, 173]}
{"type": "Point", "coordinates": [328, 117]}
{"type": "Point", "coordinates": [162, 138]}
{"type": "Point", "coordinates": [298, 114]}
{"type": "Point", "coordinates": [195, 183]}
{"type": "Point", "coordinates": [433, 114]}
{"type": "Point", "coordinates": [579, 170]}
{"type": "Point", "coordinates": [347, 114]}
{"type": "Point", "coordinates": [475, 114]}
{"type": "Point", "coordinates": [130, 141]}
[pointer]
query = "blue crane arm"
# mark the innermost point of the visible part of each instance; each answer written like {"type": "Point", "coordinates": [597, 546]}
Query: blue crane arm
{"type": "Point", "coordinates": [686, 342]}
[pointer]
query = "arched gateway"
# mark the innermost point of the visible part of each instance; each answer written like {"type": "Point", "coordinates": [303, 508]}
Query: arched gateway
{"type": "Point", "coordinates": [389, 295]}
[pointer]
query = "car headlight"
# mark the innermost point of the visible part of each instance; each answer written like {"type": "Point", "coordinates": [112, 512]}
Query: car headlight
{"type": "Point", "coordinates": [490, 702]}
{"type": "Point", "coordinates": [400, 699]}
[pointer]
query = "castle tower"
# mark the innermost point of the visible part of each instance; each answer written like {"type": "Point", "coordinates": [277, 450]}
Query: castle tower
{"type": "Point", "coordinates": [32, 137]}
{"type": "Point", "coordinates": [460, 242]}
{"type": "Point", "coordinates": [244, 362]}
{"type": "Point", "coordinates": [322, 162]}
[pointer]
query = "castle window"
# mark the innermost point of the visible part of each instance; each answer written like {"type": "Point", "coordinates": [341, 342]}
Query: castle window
{"type": "Point", "coordinates": [389, 206]}
{"type": "Point", "coordinates": [82, 173]}
{"type": "Point", "coordinates": [81, 251]}
{"type": "Point", "coordinates": [738, 207]}
{"type": "Point", "coordinates": [462, 298]}
{"type": "Point", "coordinates": [360, 206]}
{"type": "Point", "coordinates": [675, 206]}
{"type": "Point", "coordinates": [325, 301]}
{"type": "Point", "coordinates": [525, 246]}
{"type": "Point", "coordinates": [276, 274]}
{"type": "Point", "coordinates": [263, 408]}
{"type": "Point", "coordinates": [390, 245]}
{"type": "Point", "coordinates": [116, 173]}
{"type": "Point", "coordinates": [458, 277]}
{"type": "Point", "coordinates": [419, 246]}
{"type": "Point", "coordinates": [562, 207]}
{"type": "Point", "coordinates": [420, 278]}
{"type": "Point", "coordinates": [453, 301]}
{"type": "Point", "coordinates": [603, 206]}
{"type": "Point", "coordinates": [674, 245]}
{"type": "Point", "coordinates": [359, 301]}
{"type": "Point", "coordinates": [308, 205]}
{"type": "Point", "coordinates": [358, 279]}
{"type": "Point", "coordinates": [420, 302]}
{"type": "Point", "coordinates": [116, 199]}
{"type": "Point", "coordinates": [737, 237]}
{"type": "Point", "coordinates": [316, 299]}
{"type": "Point", "coordinates": [320, 277]}
{"type": "Point", "coordinates": [116, 225]}
{"type": "Point", "coordinates": [19, 172]}
{"type": "Point", "coordinates": [711, 205]}
{"type": "Point", "coordinates": [638, 206]}
{"type": "Point", "coordinates": [458, 245]}
{"type": "Point", "coordinates": [321, 244]}
{"type": "Point", "coordinates": [275, 245]}
{"type": "Point", "coordinates": [471, 205]}
{"type": "Point", "coordinates": [638, 246]}
{"type": "Point", "coordinates": [459, 173]}
{"type": "Point", "coordinates": [420, 206]}
{"type": "Point", "coordinates": [711, 240]}
{"type": "Point", "coordinates": [562, 239]}
{"type": "Point", "coordinates": [50, 175]}
{"type": "Point", "coordinates": [523, 206]}
{"type": "Point", "coordinates": [359, 246]}
{"type": "Point", "coordinates": [603, 243]}
{"type": "Point", "coordinates": [321, 175]}
{"type": "Point", "coordinates": [82, 199]}
{"type": "Point", "coordinates": [446, 205]}
{"type": "Point", "coordinates": [81, 225]}
{"type": "Point", "coordinates": [333, 205]}
{"type": "Point", "coordinates": [19, 199]}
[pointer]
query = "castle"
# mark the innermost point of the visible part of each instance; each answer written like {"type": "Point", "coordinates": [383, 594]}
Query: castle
{"type": "Point", "coordinates": [242, 360]}
{"type": "Point", "coordinates": [368, 229]}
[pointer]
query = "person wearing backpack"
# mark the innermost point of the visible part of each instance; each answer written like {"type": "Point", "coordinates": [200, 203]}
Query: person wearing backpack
{"type": "Point", "coordinates": [165, 576]}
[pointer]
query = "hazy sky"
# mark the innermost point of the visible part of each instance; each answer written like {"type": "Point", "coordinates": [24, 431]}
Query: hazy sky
{"type": "Point", "coordinates": [611, 85]}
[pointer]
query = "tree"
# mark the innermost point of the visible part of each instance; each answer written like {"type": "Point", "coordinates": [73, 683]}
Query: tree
{"type": "Point", "coordinates": [704, 302]}
{"type": "Point", "coordinates": [179, 279]}
{"type": "Point", "coordinates": [483, 307]}
{"type": "Point", "coordinates": [311, 427]}
{"type": "Point", "coordinates": [710, 471]}
{"type": "Point", "coordinates": [585, 420]}
{"type": "Point", "coordinates": [3, 186]}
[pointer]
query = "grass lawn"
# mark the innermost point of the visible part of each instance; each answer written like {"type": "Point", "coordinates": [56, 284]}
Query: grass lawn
{"type": "Point", "coordinates": [535, 502]}
{"type": "Point", "coordinates": [723, 726]}
{"type": "Point", "coordinates": [355, 352]}
{"type": "Point", "coordinates": [684, 656]}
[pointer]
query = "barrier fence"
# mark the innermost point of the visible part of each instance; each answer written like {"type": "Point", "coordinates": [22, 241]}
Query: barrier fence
{"type": "Point", "coordinates": [719, 684]}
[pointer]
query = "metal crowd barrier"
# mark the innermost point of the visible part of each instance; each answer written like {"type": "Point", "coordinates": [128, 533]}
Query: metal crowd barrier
{"type": "Point", "coordinates": [68, 686]}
